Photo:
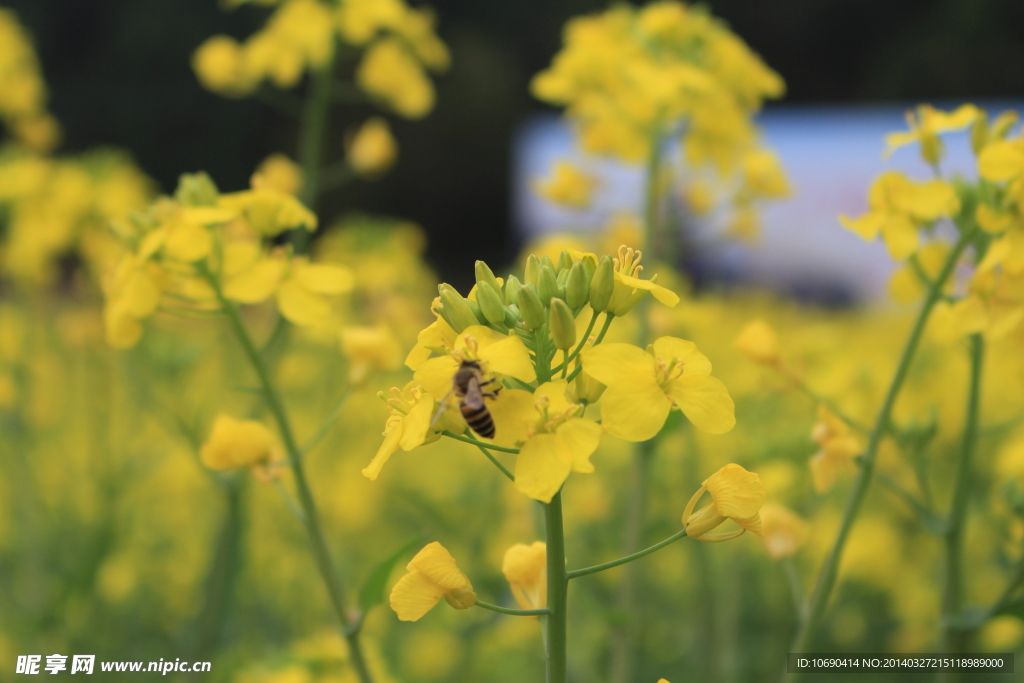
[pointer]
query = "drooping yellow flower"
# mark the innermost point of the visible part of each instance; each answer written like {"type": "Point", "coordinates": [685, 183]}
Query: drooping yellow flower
{"type": "Point", "coordinates": [642, 387]}
{"type": "Point", "coordinates": [630, 289]}
{"type": "Point", "coordinates": [373, 149]}
{"type": "Point", "coordinates": [390, 73]}
{"type": "Point", "coordinates": [898, 206]}
{"type": "Point", "coordinates": [757, 341]}
{"type": "Point", "coordinates": [432, 575]}
{"type": "Point", "coordinates": [525, 569]}
{"type": "Point", "coordinates": [568, 186]}
{"type": "Point", "coordinates": [239, 443]}
{"type": "Point", "coordinates": [838, 448]}
{"type": "Point", "coordinates": [408, 426]}
{"type": "Point", "coordinates": [927, 125]}
{"type": "Point", "coordinates": [784, 530]}
{"type": "Point", "coordinates": [736, 494]}
{"type": "Point", "coordinates": [367, 349]}
{"type": "Point", "coordinates": [553, 439]}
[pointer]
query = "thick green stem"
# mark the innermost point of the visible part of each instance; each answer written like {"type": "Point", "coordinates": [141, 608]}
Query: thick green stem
{"type": "Point", "coordinates": [311, 142]}
{"type": "Point", "coordinates": [558, 589]}
{"type": "Point", "coordinates": [830, 568]}
{"type": "Point", "coordinates": [311, 516]}
{"type": "Point", "coordinates": [952, 594]}
{"type": "Point", "coordinates": [576, 573]}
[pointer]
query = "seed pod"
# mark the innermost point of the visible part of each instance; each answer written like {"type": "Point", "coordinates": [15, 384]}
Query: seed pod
{"type": "Point", "coordinates": [455, 309]}
{"type": "Point", "coordinates": [602, 285]}
{"type": "Point", "coordinates": [561, 324]}
{"type": "Point", "coordinates": [547, 286]}
{"type": "Point", "coordinates": [483, 272]}
{"type": "Point", "coordinates": [564, 261]}
{"type": "Point", "coordinates": [512, 285]}
{"type": "Point", "coordinates": [531, 310]}
{"type": "Point", "coordinates": [490, 302]}
{"type": "Point", "coordinates": [577, 286]}
{"type": "Point", "coordinates": [531, 273]}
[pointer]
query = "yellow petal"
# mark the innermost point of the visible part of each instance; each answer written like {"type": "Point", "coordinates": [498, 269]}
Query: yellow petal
{"type": "Point", "coordinates": [509, 357]}
{"type": "Point", "coordinates": [665, 296]}
{"type": "Point", "coordinates": [301, 306]}
{"type": "Point", "coordinates": [188, 243]}
{"type": "Point", "coordinates": [900, 235]}
{"type": "Point", "coordinates": [737, 493]}
{"type": "Point", "coordinates": [141, 295]}
{"type": "Point", "coordinates": [635, 411]}
{"type": "Point", "coordinates": [323, 278]}
{"type": "Point", "coordinates": [867, 226]}
{"type": "Point", "coordinates": [514, 414]}
{"type": "Point", "coordinates": [436, 563]}
{"type": "Point", "coordinates": [612, 364]}
{"type": "Point", "coordinates": [705, 401]}
{"type": "Point", "coordinates": [757, 341]}
{"type": "Point", "coordinates": [542, 466]}
{"type": "Point", "coordinates": [416, 424]}
{"type": "Point", "coordinates": [414, 595]}
{"type": "Point", "coordinates": [123, 330]}
{"type": "Point", "coordinates": [525, 568]}
{"type": "Point", "coordinates": [581, 437]}
{"type": "Point", "coordinates": [673, 348]}
{"type": "Point", "coordinates": [255, 284]}
{"type": "Point", "coordinates": [392, 435]}
{"type": "Point", "coordinates": [992, 220]}
{"type": "Point", "coordinates": [930, 200]}
{"type": "Point", "coordinates": [1001, 161]}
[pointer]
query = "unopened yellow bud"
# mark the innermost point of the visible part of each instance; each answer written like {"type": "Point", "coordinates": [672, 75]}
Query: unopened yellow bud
{"type": "Point", "coordinates": [484, 273]}
{"type": "Point", "coordinates": [758, 342]}
{"type": "Point", "coordinates": [238, 443]}
{"type": "Point", "coordinates": [530, 308]}
{"type": "Point", "coordinates": [373, 150]}
{"type": "Point", "coordinates": [561, 324]}
{"type": "Point", "coordinates": [531, 273]}
{"type": "Point", "coordinates": [490, 302]}
{"type": "Point", "coordinates": [547, 283]}
{"type": "Point", "coordinates": [564, 261]}
{"type": "Point", "coordinates": [577, 286]}
{"type": "Point", "coordinates": [602, 285]}
{"type": "Point", "coordinates": [454, 309]}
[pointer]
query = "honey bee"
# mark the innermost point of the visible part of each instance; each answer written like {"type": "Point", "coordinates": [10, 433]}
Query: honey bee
{"type": "Point", "coordinates": [468, 385]}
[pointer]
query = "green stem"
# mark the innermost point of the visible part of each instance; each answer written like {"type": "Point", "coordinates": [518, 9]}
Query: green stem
{"type": "Point", "coordinates": [311, 142]}
{"type": "Point", "coordinates": [579, 346]}
{"type": "Point", "coordinates": [497, 463]}
{"type": "Point", "coordinates": [830, 404]}
{"type": "Point", "coordinates": [544, 611]}
{"type": "Point", "coordinates": [328, 424]}
{"type": "Point", "coordinates": [796, 589]}
{"type": "Point", "coordinates": [558, 589]}
{"type": "Point", "coordinates": [952, 594]}
{"type": "Point", "coordinates": [609, 317]}
{"type": "Point", "coordinates": [576, 573]}
{"type": "Point", "coordinates": [311, 517]}
{"type": "Point", "coordinates": [479, 444]}
{"type": "Point", "coordinates": [830, 568]}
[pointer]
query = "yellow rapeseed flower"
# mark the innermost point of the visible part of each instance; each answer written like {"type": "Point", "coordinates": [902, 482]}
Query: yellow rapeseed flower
{"type": "Point", "coordinates": [838, 448]}
{"type": "Point", "coordinates": [757, 341]}
{"type": "Point", "coordinates": [389, 72]}
{"type": "Point", "coordinates": [736, 494]}
{"type": "Point", "coordinates": [642, 387]}
{"type": "Point", "coordinates": [525, 568]}
{"type": "Point", "coordinates": [926, 126]}
{"type": "Point", "coordinates": [373, 149]}
{"type": "Point", "coordinates": [239, 443]}
{"type": "Point", "coordinates": [432, 575]}
{"type": "Point", "coordinates": [567, 185]}
{"type": "Point", "coordinates": [408, 425]}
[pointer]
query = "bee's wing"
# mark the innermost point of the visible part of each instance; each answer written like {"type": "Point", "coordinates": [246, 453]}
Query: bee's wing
{"type": "Point", "coordinates": [442, 406]}
{"type": "Point", "coordinates": [474, 398]}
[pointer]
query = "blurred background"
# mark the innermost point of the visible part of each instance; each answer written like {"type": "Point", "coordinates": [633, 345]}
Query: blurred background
{"type": "Point", "coordinates": [119, 75]}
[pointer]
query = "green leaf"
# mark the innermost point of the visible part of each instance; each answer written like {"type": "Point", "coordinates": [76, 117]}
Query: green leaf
{"type": "Point", "coordinates": [372, 592]}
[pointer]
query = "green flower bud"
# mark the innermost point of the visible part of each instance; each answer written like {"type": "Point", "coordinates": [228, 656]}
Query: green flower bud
{"type": "Point", "coordinates": [602, 285]}
{"type": "Point", "coordinates": [457, 311]}
{"type": "Point", "coordinates": [546, 260]}
{"type": "Point", "coordinates": [490, 302]}
{"type": "Point", "coordinates": [477, 313]}
{"type": "Point", "coordinates": [577, 286]}
{"type": "Point", "coordinates": [561, 277]}
{"type": "Point", "coordinates": [484, 273]}
{"type": "Point", "coordinates": [531, 310]}
{"type": "Point", "coordinates": [561, 324]}
{"type": "Point", "coordinates": [196, 189]}
{"type": "Point", "coordinates": [585, 387]}
{"type": "Point", "coordinates": [511, 315]}
{"type": "Point", "coordinates": [564, 261]}
{"type": "Point", "coordinates": [589, 266]}
{"type": "Point", "coordinates": [512, 286]}
{"type": "Point", "coordinates": [547, 285]}
{"type": "Point", "coordinates": [531, 273]}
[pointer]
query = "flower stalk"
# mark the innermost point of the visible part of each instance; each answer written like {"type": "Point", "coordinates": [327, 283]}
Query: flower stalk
{"type": "Point", "coordinates": [828, 573]}
{"type": "Point", "coordinates": [558, 588]}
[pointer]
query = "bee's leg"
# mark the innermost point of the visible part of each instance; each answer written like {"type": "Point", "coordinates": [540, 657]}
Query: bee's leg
{"type": "Point", "coordinates": [493, 393]}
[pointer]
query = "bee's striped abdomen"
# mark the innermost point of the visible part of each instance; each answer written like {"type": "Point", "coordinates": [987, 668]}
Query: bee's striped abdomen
{"type": "Point", "coordinates": [479, 420]}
